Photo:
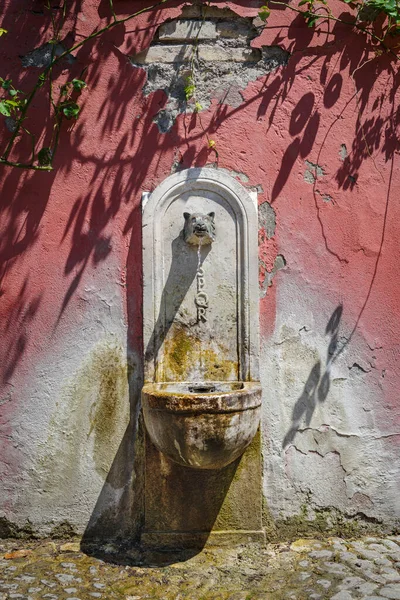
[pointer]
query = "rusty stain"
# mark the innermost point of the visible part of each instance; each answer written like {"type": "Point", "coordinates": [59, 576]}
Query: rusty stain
{"type": "Point", "coordinates": [184, 352]}
{"type": "Point", "coordinates": [111, 369]}
{"type": "Point", "coordinates": [91, 419]}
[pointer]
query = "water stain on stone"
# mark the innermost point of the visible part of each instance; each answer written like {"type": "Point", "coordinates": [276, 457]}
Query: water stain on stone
{"type": "Point", "coordinates": [108, 413]}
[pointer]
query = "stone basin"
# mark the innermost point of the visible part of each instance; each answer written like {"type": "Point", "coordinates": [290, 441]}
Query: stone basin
{"type": "Point", "coordinates": [202, 425]}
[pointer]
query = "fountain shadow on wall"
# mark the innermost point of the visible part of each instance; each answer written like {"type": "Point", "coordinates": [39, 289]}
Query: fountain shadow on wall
{"type": "Point", "coordinates": [113, 531]}
{"type": "Point", "coordinates": [100, 539]}
{"type": "Point", "coordinates": [176, 287]}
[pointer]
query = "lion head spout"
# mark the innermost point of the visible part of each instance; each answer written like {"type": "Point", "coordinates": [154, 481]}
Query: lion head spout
{"type": "Point", "coordinates": [199, 228]}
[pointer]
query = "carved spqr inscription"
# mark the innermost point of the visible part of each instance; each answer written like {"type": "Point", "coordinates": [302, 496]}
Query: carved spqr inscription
{"type": "Point", "coordinates": [199, 229]}
{"type": "Point", "coordinates": [201, 299]}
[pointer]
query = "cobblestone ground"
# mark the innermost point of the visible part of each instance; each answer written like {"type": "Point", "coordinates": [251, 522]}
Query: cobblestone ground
{"type": "Point", "coordinates": [339, 569]}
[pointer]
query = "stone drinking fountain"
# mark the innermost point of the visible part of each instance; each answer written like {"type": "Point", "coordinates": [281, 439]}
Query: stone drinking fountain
{"type": "Point", "coordinates": [202, 398]}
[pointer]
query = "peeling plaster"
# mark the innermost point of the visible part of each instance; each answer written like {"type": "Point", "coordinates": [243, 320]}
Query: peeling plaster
{"type": "Point", "coordinates": [343, 152]}
{"type": "Point", "coordinates": [313, 172]}
{"type": "Point", "coordinates": [325, 197]}
{"type": "Point", "coordinates": [279, 263]}
{"type": "Point", "coordinates": [224, 81]}
{"type": "Point", "coordinates": [267, 219]}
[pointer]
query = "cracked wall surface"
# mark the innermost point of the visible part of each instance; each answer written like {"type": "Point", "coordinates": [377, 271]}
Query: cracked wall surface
{"type": "Point", "coordinates": [325, 446]}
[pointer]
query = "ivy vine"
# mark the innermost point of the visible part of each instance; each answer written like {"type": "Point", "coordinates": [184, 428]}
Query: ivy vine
{"type": "Point", "coordinates": [365, 14]}
{"type": "Point", "coordinates": [15, 103]}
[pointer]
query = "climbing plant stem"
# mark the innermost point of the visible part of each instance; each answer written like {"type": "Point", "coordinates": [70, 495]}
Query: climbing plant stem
{"type": "Point", "coordinates": [45, 73]}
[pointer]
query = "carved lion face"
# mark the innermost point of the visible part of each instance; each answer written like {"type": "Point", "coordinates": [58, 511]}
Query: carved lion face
{"type": "Point", "coordinates": [199, 228]}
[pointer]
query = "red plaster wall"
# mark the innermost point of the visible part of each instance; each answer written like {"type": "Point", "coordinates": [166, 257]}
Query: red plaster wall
{"type": "Point", "coordinates": [339, 236]}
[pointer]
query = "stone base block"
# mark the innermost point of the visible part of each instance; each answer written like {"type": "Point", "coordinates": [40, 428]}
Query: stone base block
{"type": "Point", "coordinates": [156, 540]}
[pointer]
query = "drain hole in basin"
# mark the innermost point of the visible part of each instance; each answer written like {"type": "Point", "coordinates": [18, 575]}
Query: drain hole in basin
{"type": "Point", "coordinates": [201, 389]}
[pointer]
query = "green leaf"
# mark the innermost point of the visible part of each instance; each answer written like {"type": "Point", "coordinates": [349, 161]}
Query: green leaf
{"type": "Point", "coordinates": [4, 109]}
{"type": "Point", "coordinates": [190, 91]}
{"type": "Point", "coordinates": [45, 156]}
{"type": "Point", "coordinates": [190, 88]}
{"type": "Point", "coordinates": [311, 18]}
{"type": "Point", "coordinates": [2, 31]}
{"type": "Point", "coordinates": [389, 7]}
{"type": "Point", "coordinates": [6, 83]}
{"type": "Point", "coordinates": [303, 2]}
{"type": "Point", "coordinates": [78, 84]}
{"type": "Point", "coordinates": [264, 13]}
{"type": "Point", "coordinates": [13, 93]}
{"type": "Point", "coordinates": [71, 110]}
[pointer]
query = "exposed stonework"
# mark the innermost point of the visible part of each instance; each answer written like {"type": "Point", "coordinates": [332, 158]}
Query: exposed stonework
{"type": "Point", "coordinates": [267, 219]}
{"type": "Point", "coordinates": [183, 54]}
{"type": "Point", "coordinates": [214, 52]}
{"type": "Point", "coordinates": [41, 57]}
{"type": "Point", "coordinates": [185, 30]}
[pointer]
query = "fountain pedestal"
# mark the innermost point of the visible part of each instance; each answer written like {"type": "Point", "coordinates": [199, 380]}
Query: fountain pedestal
{"type": "Point", "coordinates": [189, 508]}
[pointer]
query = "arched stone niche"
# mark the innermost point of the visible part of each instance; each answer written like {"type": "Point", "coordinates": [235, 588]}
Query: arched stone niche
{"type": "Point", "coordinates": [221, 341]}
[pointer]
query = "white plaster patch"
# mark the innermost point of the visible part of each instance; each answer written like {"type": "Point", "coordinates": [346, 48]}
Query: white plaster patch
{"type": "Point", "coordinates": [321, 446]}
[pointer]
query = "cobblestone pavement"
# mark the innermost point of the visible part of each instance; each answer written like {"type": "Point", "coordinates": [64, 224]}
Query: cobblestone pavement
{"type": "Point", "coordinates": [339, 569]}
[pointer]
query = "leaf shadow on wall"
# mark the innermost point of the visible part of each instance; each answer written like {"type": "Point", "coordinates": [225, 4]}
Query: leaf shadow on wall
{"type": "Point", "coordinates": [118, 511]}
{"type": "Point", "coordinates": [87, 240]}
{"type": "Point", "coordinates": [348, 54]}
{"type": "Point", "coordinates": [21, 210]}
{"type": "Point", "coordinates": [24, 194]}
{"type": "Point", "coordinates": [348, 51]}
{"type": "Point", "coordinates": [317, 386]}
{"type": "Point", "coordinates": [117, 175]}
{"type": "Point", "coordinates": [344, 53]}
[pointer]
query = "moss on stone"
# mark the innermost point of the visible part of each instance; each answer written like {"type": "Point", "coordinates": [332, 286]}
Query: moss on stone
{"type": "Point", "coordinates": [63, 531]}
{"type": "Point", "coordinates": [241, 508]}
{"type": "Point", "coordinates": [110, 367]}
{"type": "Point", "coordinates": [179, 352]}
{"type": "Point", "coordinates": [269, 525]}
{"type": "Point", "coordinates": [325, 522]}
{"type": "Point", "coordinates": [8, 529]}
{"type": "Point", "coordinates": [183, 350]}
